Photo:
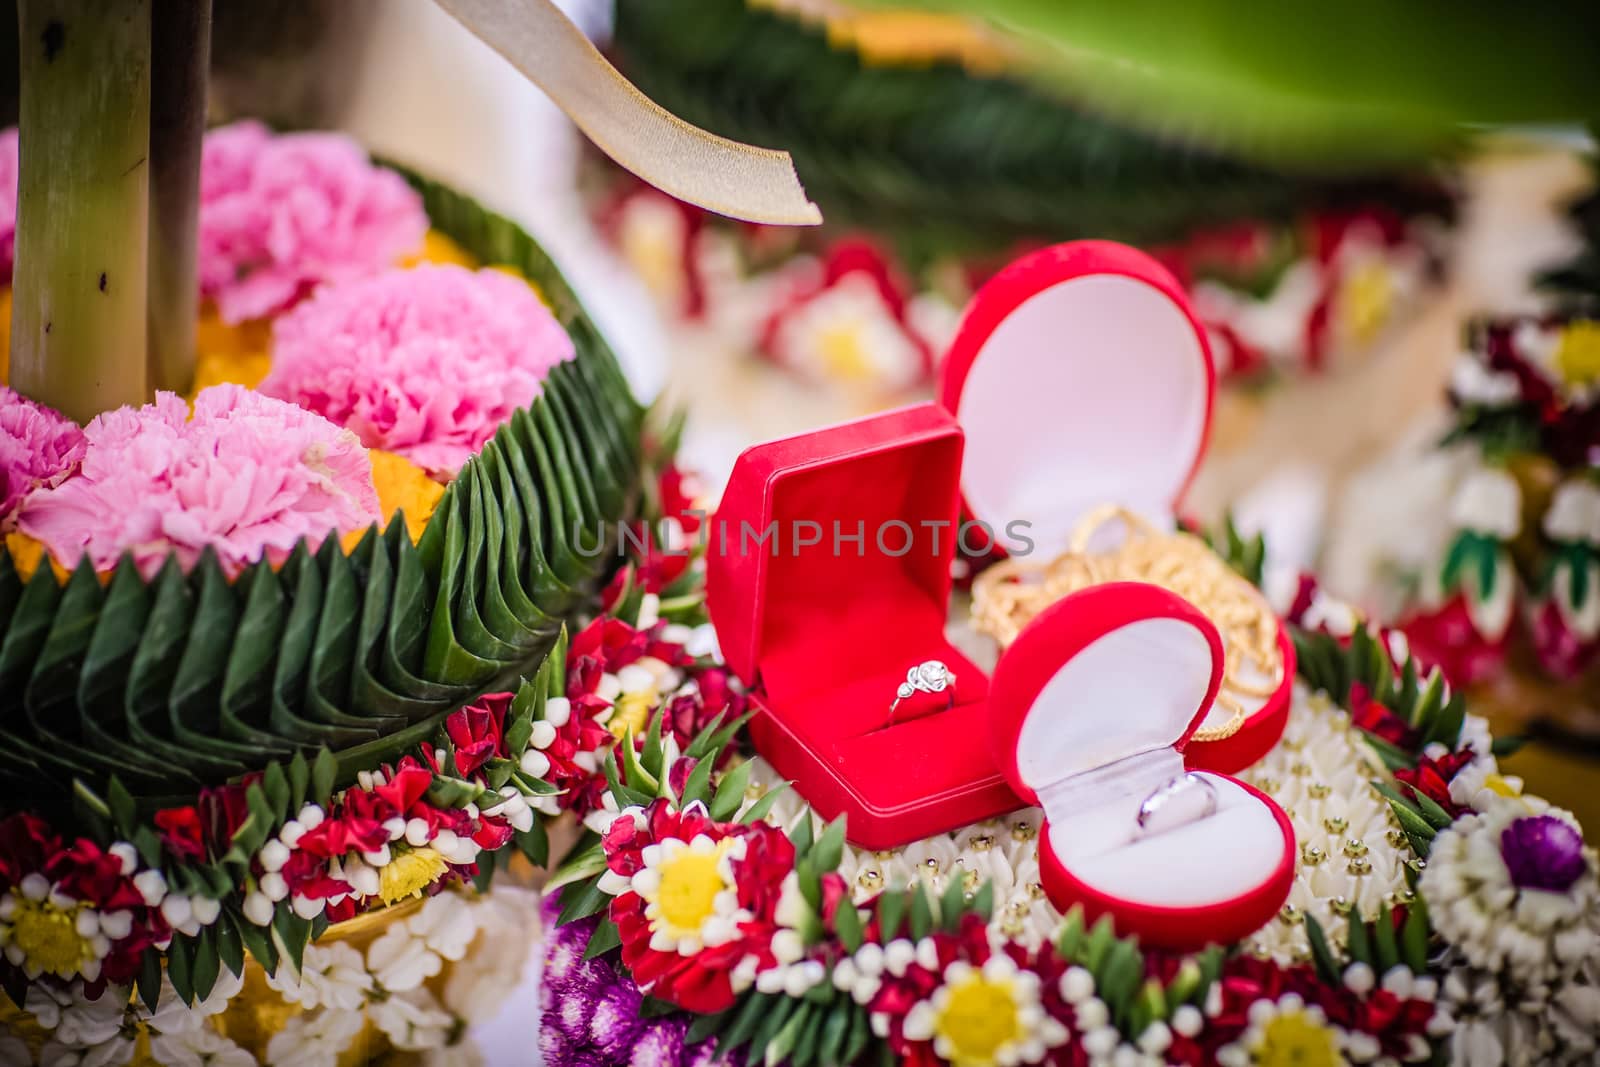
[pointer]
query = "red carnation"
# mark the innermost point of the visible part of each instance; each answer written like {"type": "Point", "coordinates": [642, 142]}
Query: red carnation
{"type": "Point", "coordinates": [180, 832]}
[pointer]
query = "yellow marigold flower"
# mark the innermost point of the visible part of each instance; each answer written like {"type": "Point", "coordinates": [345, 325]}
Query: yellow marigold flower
{"type": "Point", "coordinates": [402, 486]}
{"type": "Point", "coordinates": [26, 555]}
{"type": "Point", "coordinates": [439, 248]}
{"type": "Point", "coordinates": [5, 335]}
{"type": "Point", "coordinates": [239, 354]}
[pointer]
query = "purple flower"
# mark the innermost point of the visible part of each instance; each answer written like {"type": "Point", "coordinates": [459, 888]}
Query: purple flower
{"type": "Point", "coordinates": [592, 1014]}
{"type": "Point", "coordinates": [1543, 852]}
{"type": "Point", "coordinates": [661, 1045]}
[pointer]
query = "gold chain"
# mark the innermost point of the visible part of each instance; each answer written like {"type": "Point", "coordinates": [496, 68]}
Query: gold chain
{"type": "Point", "coordinates": [1008, 595]}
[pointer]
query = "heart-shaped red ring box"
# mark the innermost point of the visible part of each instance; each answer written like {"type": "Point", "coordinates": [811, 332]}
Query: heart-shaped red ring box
{"type": "Point", "coordinates": [1089, 713]}
{"type": "Point", "coordinates": [1082, 377]}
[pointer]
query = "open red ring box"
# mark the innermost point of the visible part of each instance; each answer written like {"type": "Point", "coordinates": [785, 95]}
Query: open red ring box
{"type": "Point", "coordinates": [848, 590]}
{"type": "Point", "coordinates": [1082, 377]}
{"type": "Point", "coordinates": [1089, 712]}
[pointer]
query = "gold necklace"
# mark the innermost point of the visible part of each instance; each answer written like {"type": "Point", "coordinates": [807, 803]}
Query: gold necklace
{"type": "Point", "coordinates": [1008, 595]}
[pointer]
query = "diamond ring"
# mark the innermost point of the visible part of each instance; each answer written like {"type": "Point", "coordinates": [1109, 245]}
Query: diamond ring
{"type": "Point", "coordinates": [929, 677]}
{"type": "Point", "coordinates": [1177, 802]}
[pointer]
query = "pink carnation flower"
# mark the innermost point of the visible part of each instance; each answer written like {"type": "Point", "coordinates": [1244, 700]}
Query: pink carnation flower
{"type": "Point", "coordinates": [425, 362]}
{"type": "Point", "coordinates": [280, 215]}
{"type": "Point", "coordinates": [38, 447]}
{"type": "Point", "coordinates": [247, 475]}
{"type": "Point", "coordinates": [8, 202]}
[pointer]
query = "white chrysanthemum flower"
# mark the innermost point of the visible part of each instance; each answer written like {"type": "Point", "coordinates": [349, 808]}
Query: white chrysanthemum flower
{"type": "Point", "coordinates": [1286, 1030]}
{"type": "Point", "coordinates": [983, 1016]}
{"type": "Point", "coordinates": [1351, 855]}
{"type": "Point", "coordinates": [690, 893]}
{"type": "Point", "coordinates": [202, 1046]}
{"type": "Point", "coordinates": [1512, 889]}
{"type": "Point", "coordinates": [847, 333]}
{"type": "Point", "coordinates": [1489, 1019]}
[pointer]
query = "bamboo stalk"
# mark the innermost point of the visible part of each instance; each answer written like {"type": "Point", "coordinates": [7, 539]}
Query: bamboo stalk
{"type": "Point", "coordinates": [78, 319]}
{"type": "Point", "coordinates": [180, 36]}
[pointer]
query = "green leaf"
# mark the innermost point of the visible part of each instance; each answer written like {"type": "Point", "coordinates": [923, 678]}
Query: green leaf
{"type": "Point", "coordinates": [290, 933]}
{"type": "Point", "coordinates": [891, 909]}
{"type": "Point", "coordinates": [639, 779]}
{"type": "Point", "coordinates": [1414, 937]}
{"type": "Point", "coordinates": [784, 1041]}
{"type": "Point", "coordinates": [180, 967]}
{"type": "Point", "coordinates": [581, 901]}
{"type": "Point", "coordinates": [829, 850]}
{"type": "Point", "coordinates": [149, 980]}
{"type": "Point", "coordinates": [230, 946]}
{"type": "Point", "coordinates": [1384, 943]}
{"type": "Point", "coordinates": [775, 1019]}
{"type": "Point", "coordinates": [1321, 955]}
{"type": "Point", "coordinates": [323, 770]}
{"type": "Point", "coordinates": [800, 833]}
{"type": "Point", "coordinates": [707, 1026]}
{"type": "Point", "coordinates": [834, 1031]}
{"type": "Point", "coordinates": [698, 786]}
{"type": "Point", "coordinates": [730, 792]}
{"type": "Point", "coordinates": [744, 1024]}
{"type": "Point", "coordinates": [606, 937]}
{"type": "Point", "coordinates": [921, 913]}
{"type": "Point", "coordinates": [763, 807]}
{"type": "Point", "coordinates": [983, 901]}
{"type": "Point", "coordinates": [207, 964]}
{"type": "Point", "coordinates": [952, 903]}
{"type": "Point", "coordinates": [847, 925]}
{"type": "Point", "coordinates": [1358, 945]}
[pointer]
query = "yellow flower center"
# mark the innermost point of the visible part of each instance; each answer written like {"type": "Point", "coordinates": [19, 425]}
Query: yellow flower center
{"type": "Point", "coordinates": [690, 882]}
{"type": "Point", "coordinates": [978, 1019]}
{"type": "Point", "coordinates": [48, 936]}
{"type": "Point", "coordinates": [1367, 295]}
{"type": "Point", "coordinates": [1295, 1039]}
{"type": "Point", "coordinates": [1578, 354]}
{"type": "Point", "coordinates": [1500, 787]}
{"type": "Point", "coordinates": [844, 352]}
{"type": "Point", "coordinates": [409, 873]}
{"type": "Point", "coordinates": [632, 713]}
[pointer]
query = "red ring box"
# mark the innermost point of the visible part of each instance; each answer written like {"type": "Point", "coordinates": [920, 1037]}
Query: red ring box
{"type": "Point", "coordinates": [1082, 726]}
{"type": "Point", "coordinates": [827, 631]}
{"type": "Point", "coordinates": [1082, 377]}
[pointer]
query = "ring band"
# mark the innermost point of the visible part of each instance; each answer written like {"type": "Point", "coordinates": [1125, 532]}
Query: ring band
{"type": "Point", "coordinates": [931, 676]}
{"type": "Point", "coordinates": [1170, 806]}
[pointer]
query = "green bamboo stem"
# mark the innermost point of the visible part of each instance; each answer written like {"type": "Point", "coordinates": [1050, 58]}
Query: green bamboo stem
{"type": "Point", "coordinates": [180, 35]}
{"type": "Point", "coordinates": [78, 319]}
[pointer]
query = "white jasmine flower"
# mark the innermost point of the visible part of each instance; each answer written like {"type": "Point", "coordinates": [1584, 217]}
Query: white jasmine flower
{"type": "Point", "coordinates": [1574, 512]}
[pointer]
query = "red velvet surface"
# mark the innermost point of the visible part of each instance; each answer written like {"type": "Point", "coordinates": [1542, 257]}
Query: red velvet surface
{"type": "Point", "coordinates": [826, 632]}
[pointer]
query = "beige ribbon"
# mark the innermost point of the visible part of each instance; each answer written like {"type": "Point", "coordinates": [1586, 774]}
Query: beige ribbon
{"type": "Point", "coordinates": [738, 180]}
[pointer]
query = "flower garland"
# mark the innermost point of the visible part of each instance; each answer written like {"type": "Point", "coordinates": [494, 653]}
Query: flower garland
{"type": "Point", "coordinates": [846, 312]}
{"type": "Point", "coordinates": [1519, 556]}
{"type": "Point", "coordinates": [1440, 911]}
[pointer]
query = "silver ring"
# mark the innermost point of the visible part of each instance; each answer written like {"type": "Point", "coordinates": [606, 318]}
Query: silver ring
{"type": "Point", "coordinates": [931, 676]}
{"type": "Point", "coordinates": [1177, 802]}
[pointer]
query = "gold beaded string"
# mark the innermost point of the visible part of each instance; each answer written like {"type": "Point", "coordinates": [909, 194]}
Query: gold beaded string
{"type": "Point", "coordinates": [1008, 595]}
